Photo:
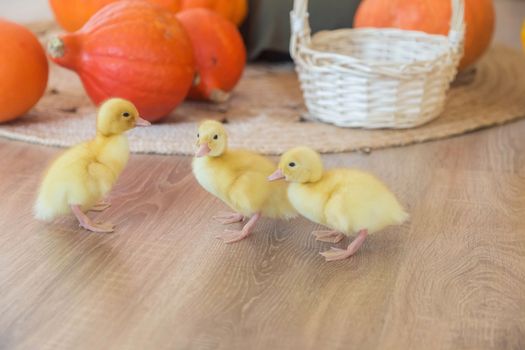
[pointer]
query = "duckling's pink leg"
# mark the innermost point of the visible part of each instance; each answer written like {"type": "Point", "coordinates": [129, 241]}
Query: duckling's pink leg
{"type": "Point", "coordinates": [230, 236]}
{"type": "Point", "coordinates": [328, 236]}
{"type": "Point", "coordinates": [89, 225]}
{"type": "Point", "coordinates": [226, 218]}
{"type": "Point", "coordinates": [339, 254]}
{"type": "Point", "coordinates": [101, 206]}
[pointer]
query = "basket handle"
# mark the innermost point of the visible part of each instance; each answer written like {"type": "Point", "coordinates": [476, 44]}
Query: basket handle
{"type": "Point", "coordinates": [457, 24]}
{"type": "Point", "coordinates": [300, 26]}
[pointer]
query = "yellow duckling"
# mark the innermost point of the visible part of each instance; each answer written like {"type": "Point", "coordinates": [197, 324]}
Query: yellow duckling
{"type": "Point", "coordinates": [238, 178]}
{"type": "Point", "coordinates": [346, 200]}
{"type": "Point", "coordinates": [79, 178]}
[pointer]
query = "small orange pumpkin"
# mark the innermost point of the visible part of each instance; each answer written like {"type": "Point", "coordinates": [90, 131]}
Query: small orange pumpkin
{"type": "Point", "coordinates": [233, 10]}
{"type": "Point", "coordinates": [133, 50]}
{"type": "Point", "coordinates": [432, 16]}
{"type": "Point", "coordinates": [23, 70]}
{"type": "Point", "coordinates": [73, 14]}
{"type": "Point", "coordinates": [219, 51]}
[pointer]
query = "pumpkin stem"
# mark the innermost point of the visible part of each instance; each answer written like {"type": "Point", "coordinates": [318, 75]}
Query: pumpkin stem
{"type": "Point", "coordinates": [56, 47]}
{"type": "Point", "coordinates": [196, 79]}
{"type": "Point", "coordinates": [219, 96]}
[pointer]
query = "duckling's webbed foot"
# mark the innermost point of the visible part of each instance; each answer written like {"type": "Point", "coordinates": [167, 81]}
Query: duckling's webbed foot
{"type": "Point", "coordinates": [226, 218]}
{"type": "Point", "coordinates": [101, 206]}
{"type": "Point", "coordinates": [340, 254]}
{"type": "Point", "coordinates": [328, 236]}
{"type": "Point", "coordinates": [98, 227]}
{"type": "Point", "coordinates": [88, 224]}
{"type": "Point", "coordinates": [230, 236]}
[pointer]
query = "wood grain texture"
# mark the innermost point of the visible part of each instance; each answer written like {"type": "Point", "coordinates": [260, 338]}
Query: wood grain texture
{"type": "Point", "coordinates": [453, 277]}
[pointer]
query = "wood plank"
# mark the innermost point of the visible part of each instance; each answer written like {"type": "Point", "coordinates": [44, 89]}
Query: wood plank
{"type": "Point", "coordinates": [450, 278]}
{"type": "Point", "coordinates": [453, 277]}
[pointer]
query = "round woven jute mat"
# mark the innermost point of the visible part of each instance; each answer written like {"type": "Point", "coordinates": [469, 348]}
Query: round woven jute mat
{"type": "Point", "coordinates": [266, 113]}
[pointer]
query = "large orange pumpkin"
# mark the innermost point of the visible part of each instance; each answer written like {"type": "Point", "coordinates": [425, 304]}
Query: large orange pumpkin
{"type": "Point", "coordinates": [432, 16]}
{"type": "Point", "coordinates": [23, 70]}
{"type": "Point", "coordinates": [73, 14]}
{"type": "Point", "coordinates": [233, 10]}
{"type": "Point", "coordinates": [219, 51]}
{"type": "Point", "coordinates": [133, 50]}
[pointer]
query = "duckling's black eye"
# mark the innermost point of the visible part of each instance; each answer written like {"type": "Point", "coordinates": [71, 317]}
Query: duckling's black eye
{"type": "Point", "coordinates": [125, 114]}
{"type": "Point", "coordinates": [215, 137]}
{"type": "Point", "coordinates": [198, 136]}
{"type": "Point", "coordinates": [291, 164]}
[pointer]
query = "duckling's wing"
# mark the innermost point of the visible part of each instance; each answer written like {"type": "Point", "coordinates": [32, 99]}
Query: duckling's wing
{"type": "Point", "coordinates": [248, 192]}
{"type": "Point", "coordinates": [65, 182]}
{"type": "Point", "coordinates": [80, 179]}
{"type": "Point", "coordinates": [361, 201]}
{"type": "Point", "coordinates": [102, 175]}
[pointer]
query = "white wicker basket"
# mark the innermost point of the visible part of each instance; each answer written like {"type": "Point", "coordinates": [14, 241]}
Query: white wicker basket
{"type": "Point", "coordinates": [375, 78]}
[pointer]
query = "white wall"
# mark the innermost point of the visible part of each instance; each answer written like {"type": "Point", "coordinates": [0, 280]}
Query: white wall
{"type": "Point", "coordinates": [25, 10]}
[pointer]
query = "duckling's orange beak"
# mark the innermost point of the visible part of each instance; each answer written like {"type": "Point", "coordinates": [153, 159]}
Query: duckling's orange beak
{"type": "Point", "coordinates": [203, 150]}
{"type": "Point", "coordinates": [277, 175]}
{"type": "Point", "coordinates": [141, 122]}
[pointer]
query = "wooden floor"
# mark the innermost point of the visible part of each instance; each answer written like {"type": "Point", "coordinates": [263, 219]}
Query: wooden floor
{"type": "Point", "coordinates": [453, 277]}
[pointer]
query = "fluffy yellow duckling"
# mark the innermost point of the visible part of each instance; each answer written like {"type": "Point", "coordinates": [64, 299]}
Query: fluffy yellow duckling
{"type": "Point", "coordinates": [79, 178]}
{"type": "Point", "coordinates": [239, 179]}
{"type": "Point", "coordinates": [346, 200]}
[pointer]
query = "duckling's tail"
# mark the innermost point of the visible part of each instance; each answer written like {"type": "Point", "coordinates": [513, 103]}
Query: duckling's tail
{"type": "Point", "coordinates": [42, 212]}
{"type": "Point", "coordinates": [43, 209]}
{"type": "Point", "coordinates": [401, 216]}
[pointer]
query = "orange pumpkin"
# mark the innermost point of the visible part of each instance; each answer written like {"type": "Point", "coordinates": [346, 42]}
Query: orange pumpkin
{"type": "Point", "coordinates": [219, 51]}
{"type": "Point", "coordinates": [133, 50]}
{"type": "Point", "coordinates": [432, 16]}
{"type": "Point", "coordinates": [23, 70]}
{"type": "Point", "coordinates": [233, 10]}
{"type": "Point", "coordinates": [73, 14]}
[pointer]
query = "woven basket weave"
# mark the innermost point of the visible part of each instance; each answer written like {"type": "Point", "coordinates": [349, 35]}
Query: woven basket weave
{"type": "Point", "coordinates": [375, 78]}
